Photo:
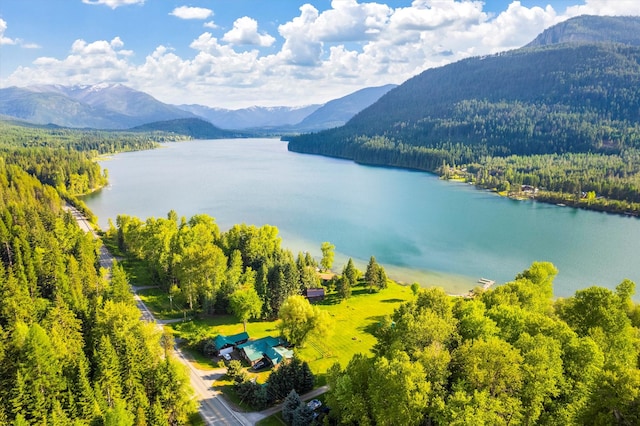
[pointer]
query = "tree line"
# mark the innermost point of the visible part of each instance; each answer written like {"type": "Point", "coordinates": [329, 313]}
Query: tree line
{"type": "Point", "coordinates": [219, 272]}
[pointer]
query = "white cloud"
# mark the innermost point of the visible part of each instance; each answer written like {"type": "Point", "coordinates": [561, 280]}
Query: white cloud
{"type": "Point", "coordinates": [300, 46]}
{"type": "Point", "coordinates": [245, 32]}
{"type": "Point", "coordinates": [113, 3]}
{"type": "Point", "coordinates": [3, 28]}
{"type": "Point", "coordinates": [87, 63]}
{"type": "Point", "coordinates": [14, 41]}
{"type": "Point", "coordinates": [323, 55]}
{"type": "Point", "coordinates": [186, 12]}
{"type": "Point", "coordinates": [349, 20]}
{"type": "Point", "coordinates": [605, 7]}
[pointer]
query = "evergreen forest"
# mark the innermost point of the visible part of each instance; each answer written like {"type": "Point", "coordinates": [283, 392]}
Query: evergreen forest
{"type": "Point", "coordinates": [73, 350]}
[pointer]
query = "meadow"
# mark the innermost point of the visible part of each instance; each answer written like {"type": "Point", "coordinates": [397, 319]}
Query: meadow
{"type": "Point", "coordinates": [354, 322]}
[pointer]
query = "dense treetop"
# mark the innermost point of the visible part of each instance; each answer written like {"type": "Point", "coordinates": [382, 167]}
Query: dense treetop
{"type": "Point", "coordinates": [506, 356]}
{"type": "Point", "coordinates": [72, 347]}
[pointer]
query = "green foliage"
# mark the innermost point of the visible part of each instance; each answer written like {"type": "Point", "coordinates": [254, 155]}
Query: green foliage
{"type": "Point", "coordinates": [192, 127]}
{"type": "Point", "coordinates": [72, 347]}
{"type": "Point", "coordinates": [294, 375]}
{"type": "Point", "coordinates": [299, 319]}
{"type": "Point", "coordinates": [289, 407]}
{"type": "Point", "coordinates": [235, 371]}
{"type": "Point", "coordinates": [328, 253]}
{"type": "Point", "coordinates": [375, 277]}
{"type": "Point", "coordinates": [246, 304]}
{"type": "Point", "coordinates": [507, 356]}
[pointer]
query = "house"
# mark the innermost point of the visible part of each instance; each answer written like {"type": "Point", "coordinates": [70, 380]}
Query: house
{"type": "Point", "coordinates": [267, 351]}
{"type": "Point", "coordinates": [226, 344]}
{"type": "Point", "coordinates": [326, 276]}
{"type": "Point", "coordinates": [314, 294]}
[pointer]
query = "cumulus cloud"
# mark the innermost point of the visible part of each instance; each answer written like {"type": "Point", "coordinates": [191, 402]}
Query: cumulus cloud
{"type": "Point", "coordinates": [348, 20]}
{"type": "Point", "coordinates": [187, 12]}
{"type": "Point", "coordinates": [322, 55]}
{"type": "Point", "coordinates": [3, 28]}
{"type": "Point", "coordinates": [113, 3]}
{"type": "Point", "coordinates": [87, 63]}
{"type": "Point", "coordinates": [14, 41]}
{"type": "Point", "coordinates": [300, 46]}
{"type": "Point", "coordinates": [245, 32]}
{"type": "Point", "coordinates": [605, 7]}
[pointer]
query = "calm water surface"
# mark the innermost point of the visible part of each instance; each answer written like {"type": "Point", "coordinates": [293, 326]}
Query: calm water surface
{"type": "Point", "coordinates": [419, 227]}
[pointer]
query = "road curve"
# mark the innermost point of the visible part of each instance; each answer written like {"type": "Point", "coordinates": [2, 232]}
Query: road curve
{"type": "Point", "coordinates": [213, 409]}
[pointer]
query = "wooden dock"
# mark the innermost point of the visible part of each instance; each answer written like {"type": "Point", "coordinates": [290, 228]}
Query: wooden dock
{"type": "Point", "coordinates": [486, 283]}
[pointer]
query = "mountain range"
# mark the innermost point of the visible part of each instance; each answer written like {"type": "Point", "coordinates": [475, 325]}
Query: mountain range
{"type": "Point", "coordinates": [115, 106]}
{"type": "Point", "coordinates": [103, 106]}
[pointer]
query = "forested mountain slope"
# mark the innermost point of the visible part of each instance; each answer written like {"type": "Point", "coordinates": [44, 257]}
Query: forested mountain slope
{"type": "Point", "coordinates": [191, 127]}
{"type": "Point", "coordinates": [591, 29]}
{"type": "Point", "coordinates": [560, 99]}
{"type": "Point", "coordinates": [338, 111]}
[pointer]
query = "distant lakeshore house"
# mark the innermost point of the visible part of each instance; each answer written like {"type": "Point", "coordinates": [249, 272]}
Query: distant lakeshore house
{"type": "Point", "coordinates": [314, 294]}
{"type": "Point", "coordinates": [225, 344]}
{"type": "Point", "coordinates": [267, 351]}
{"type": "Point", "coordinates": [326, 276]}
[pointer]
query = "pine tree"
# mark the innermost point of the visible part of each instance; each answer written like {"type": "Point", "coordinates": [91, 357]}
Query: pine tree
{"type": "Point", "coordinates": [290, 406]}
{"type": "Point", "coordinates": [107, 377]}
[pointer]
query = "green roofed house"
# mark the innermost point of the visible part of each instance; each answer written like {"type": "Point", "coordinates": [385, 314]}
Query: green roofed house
{"type": "Point", "coordinates": [225, 344]}
{"type": "Point", "coordinates": [265, 351]}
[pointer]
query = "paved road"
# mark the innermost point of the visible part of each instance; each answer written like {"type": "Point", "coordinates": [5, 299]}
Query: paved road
{"type": "Point", "coordinates": [213, 408]}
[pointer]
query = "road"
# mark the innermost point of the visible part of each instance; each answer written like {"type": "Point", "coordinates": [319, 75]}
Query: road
{"type": "Point", "coordinates": [213, 409]}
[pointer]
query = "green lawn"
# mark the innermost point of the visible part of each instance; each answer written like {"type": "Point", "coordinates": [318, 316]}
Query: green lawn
{"type": "Point", "coordinates": [354, 319]}
{"type": "Point", "coordinates": [158, 302]}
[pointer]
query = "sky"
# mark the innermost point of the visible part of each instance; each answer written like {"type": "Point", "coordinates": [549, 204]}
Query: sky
{"type": "Point", "coordinates": [241, 53]}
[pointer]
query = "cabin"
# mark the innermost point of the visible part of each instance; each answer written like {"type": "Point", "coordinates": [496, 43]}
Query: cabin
{"type": "Point", "coordinates": [265, 352]}
{"type": "Point", "coordinates": [314, 294]}
{"type": "Point", "coordinates": [326, 276]}
{"type": "Point", "coordinates": [225, 344]}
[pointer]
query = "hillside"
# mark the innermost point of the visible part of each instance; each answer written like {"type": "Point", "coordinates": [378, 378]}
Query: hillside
{"type": "Point", "coordinates": [570, 98]}
{"type": "Point", "coordinates": [251, 118]}
{"type": "Point", "coordinates": [192, 127]}
{"type": "Point", "coordinates": [592, 29]}
{"type": "Point", "coordinates": [292, 119]}
{"type": "Point", "coordinates": [338, 111]}
{"type": "Point", "coordinates": [98, 106]}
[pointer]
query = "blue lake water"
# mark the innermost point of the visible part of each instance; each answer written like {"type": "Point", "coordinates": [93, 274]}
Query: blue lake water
{"type": "Point", "coordinates": [419, 227]}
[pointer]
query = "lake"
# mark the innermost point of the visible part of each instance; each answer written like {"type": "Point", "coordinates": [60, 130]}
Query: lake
{"type": "Point", "coordinates": [419, 227]}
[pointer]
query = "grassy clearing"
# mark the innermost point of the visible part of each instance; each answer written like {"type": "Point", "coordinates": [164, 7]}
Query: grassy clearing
{"type": "Point", "coordinates": [158, 302]}
{"type": "Point", "coordinates": [354, 322]}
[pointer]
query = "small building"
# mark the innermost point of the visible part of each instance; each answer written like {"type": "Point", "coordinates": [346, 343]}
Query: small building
{"type": "Point", "coordinates": [314, 294]}
{"type": "Point", "coordinates": [325, 277]}
{"type": "Point", "coordinates": [267, 351]}
{"type": "Point", "coordinates": [225, 344]}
